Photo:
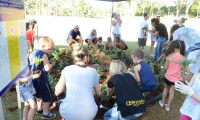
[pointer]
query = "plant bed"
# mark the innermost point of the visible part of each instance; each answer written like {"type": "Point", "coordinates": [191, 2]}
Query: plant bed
{"type": "Point", "coordinates": [100, 60]}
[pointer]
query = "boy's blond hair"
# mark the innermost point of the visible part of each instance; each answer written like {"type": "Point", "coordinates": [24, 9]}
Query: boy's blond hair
{"type": "Point", "coordinates": [117, 67]}
{"type": "Point", "coordinates": [47, 41]}
{"type": "Point", "coordinates": [138, 53]}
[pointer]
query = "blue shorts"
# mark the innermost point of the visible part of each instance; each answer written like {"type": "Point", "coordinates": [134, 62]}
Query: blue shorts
{"type": "Point", "coordinates": [26, 91]}
{"type": "Point", "coordinates": [43, 90]}
{"type": "Point", "coordinates": [147, 88]}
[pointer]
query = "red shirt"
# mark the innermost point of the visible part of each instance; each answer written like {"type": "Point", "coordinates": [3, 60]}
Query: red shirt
{"type": "Point", "coordinates": [29, 35]}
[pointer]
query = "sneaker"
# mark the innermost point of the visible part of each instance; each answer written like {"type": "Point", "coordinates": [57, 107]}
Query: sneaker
{"type": "Point", "coordinates": [160, 103]}
{"type": "Point", "coordinates": [49, 116]}
{"type": "Point", "coordinates": [39, 111]}
{"type": "Point", "coordinates": [166, 108]}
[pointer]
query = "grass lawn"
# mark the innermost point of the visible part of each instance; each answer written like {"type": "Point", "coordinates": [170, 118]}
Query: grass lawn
{"type": "Point", "coordinates": [153, 111]}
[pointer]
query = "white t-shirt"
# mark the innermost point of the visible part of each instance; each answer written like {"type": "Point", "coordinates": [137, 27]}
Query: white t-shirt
{"type": "Point", "coordinates": [142, 25]}
{"type": "Point", "coordinates": [91, 37]}
{"type": "Point", "coordinates": [79, 102]}
{"type": "Point", "coordinates": [188, 35]}
{"type": "Point", "coordinates": [98, 43]}
{"type": "Point", "coordinates": [116, 28]}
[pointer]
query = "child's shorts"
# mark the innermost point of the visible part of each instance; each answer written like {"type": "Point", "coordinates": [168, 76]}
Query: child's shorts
{"type": "Point", "coordinates": [43, 90]}
{"type": "Point", "coordinates": [26, 92]}
{"type": "Point", "coordinates": [153, 38]}
{"type": "Point", "coordinates": [147, 88]}
{"type": "Point", "coordinates": [142, 42]}
{"type": "Point", "coordinates": [169, 83]}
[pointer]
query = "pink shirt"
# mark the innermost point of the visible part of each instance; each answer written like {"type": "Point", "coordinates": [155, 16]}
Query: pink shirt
{"type": "Point", "coordinates": [173, 73]}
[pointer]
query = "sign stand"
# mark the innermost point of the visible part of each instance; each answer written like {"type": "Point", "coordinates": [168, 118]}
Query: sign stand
{"type": "Point", "coordinates": [18, 100]}
{"type": "Point", "coordinates": [2, 109]}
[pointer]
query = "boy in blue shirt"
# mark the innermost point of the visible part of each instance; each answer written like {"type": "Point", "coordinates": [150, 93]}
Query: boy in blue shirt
{"type": "Point", "coordinates": [143, 72]}
{"type": "Point", "coordinates": [41, 84]}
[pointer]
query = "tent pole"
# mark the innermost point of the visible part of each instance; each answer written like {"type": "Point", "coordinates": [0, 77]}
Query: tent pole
{"type": "Point", "coordinates": [111, 17]}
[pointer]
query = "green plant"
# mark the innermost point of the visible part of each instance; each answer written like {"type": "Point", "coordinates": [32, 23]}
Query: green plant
{"type": "Point", "coordinates": [52, 82]}
{"type": "Point", "coordinates": [185, 63]}
{"type": "Point", "coordinates": [56, 55]}
{"type": "Point", "coordinates": [37, 61]}
{"type": "Point", "coordinates": [104, 92]}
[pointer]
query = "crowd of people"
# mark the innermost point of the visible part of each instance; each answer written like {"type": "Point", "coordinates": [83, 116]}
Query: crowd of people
{"type": "Point", "coordinates": [81, 82]}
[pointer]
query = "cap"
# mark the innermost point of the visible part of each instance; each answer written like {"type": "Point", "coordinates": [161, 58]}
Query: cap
{"type": "Point", "coordinates": [76, 26]}
{"type": "Point", "coordinates": [94, 31]}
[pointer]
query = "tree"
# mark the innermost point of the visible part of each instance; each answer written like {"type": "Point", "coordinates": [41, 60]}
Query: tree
{"type": "Point", "coordinates": [144, 3]}
{"type": "Point", "coordinates": [179, 5]}
{"type": "Point", "coordinates": [189, 3]}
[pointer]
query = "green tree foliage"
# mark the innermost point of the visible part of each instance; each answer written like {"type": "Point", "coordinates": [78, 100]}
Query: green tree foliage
{"type": "Point", "coordinates": [131, 7]}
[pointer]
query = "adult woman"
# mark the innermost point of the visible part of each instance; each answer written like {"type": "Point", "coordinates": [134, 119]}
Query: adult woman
{"type": "Point", "coordinates": [162, 36]}
{"type": "Point", "coordinates": [181, 21]}
{"type": "Point", "coordinates": [79, 80]}
{"type": "Point", "coordinates": [116, 25]}
{"type": "Point", "coordinates": [130, 101]}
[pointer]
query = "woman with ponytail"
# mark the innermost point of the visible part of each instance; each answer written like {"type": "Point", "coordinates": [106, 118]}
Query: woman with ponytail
{"type": "Point", "coordinates": [78, 81]}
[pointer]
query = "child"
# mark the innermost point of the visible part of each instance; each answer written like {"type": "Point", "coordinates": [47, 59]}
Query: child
{"type": "Point", "coordinates": [164, 50]}
{"type": "Point", "coordinates": [27, 91]}
{"type": "Point", "coordinates": [190, 108]}
{"type": "Point", "coordinates": [100, 43]}
{"type": "Point", "coordinates": [109, 44]}
{"type": "Point", "coordinates": [174, 55]}
{"type": "Point", "coordinates": [42, 86]}
{"type": "Point", "coordinates": [30, 35]}
{"type": "Point", "coordinates": [143, 72]}
{"type": "Point", "coordinates": [120, 43]}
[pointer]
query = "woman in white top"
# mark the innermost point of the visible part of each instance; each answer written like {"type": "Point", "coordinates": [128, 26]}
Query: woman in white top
{"type": "Point", "coordinates": [79, 80]}
{"type": "Point", "coordinates": [116, 25]}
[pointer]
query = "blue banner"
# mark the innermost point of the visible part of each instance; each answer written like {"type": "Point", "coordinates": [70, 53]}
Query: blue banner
{"type": "Point", "coordinates": [18, 4]}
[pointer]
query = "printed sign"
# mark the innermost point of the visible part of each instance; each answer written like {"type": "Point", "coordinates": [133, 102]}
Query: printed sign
{"type": "Point", "coordinates": [13, 53]}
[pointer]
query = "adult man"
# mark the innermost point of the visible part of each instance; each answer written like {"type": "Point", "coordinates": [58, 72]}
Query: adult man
{"type": "Point", "coordinates": [72, 37]}
{"type": "Point", "coordinates": [116, 25]}
{"type": "Point", "coordinates": [143, 35]}
{"type": "Point", "coordinates": [92, 38]}
{"type": "Point", "coordinates": [158, 16]}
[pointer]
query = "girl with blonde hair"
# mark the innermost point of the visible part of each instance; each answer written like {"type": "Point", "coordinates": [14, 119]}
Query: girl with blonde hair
{"type": "Point", "coordinates": [127, 93]}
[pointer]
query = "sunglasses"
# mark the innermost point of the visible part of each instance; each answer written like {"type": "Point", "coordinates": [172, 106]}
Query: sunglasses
{"type": "Point", "coordinates": [158, 16]}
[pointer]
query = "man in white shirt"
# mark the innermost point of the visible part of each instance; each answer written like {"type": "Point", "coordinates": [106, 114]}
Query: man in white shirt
{"type": "Point", "coordinates": [143, 35]}
{"type": "Point", "coordinates": [92, 38]}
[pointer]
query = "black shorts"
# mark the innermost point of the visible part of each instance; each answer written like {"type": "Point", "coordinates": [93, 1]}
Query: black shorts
{"type": "Point", "coordinates": [169, 83]}
{"type": "Point", "coordinates": [142, 42]}
{"type": "Point", "coordinates": [43, 90]}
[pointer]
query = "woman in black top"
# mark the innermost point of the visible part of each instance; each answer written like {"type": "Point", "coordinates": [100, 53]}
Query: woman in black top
{"type": "Point", "coordinates": [162, 36]}
{"type": "Point", "coordinates": [130, 101]}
